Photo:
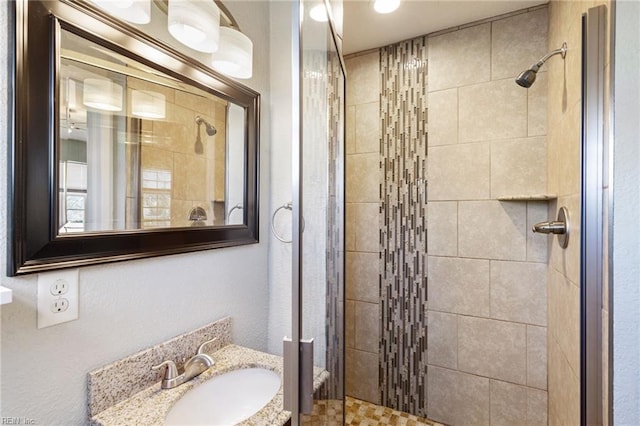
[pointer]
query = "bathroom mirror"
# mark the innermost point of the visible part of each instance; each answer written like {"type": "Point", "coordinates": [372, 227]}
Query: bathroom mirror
{"type": "Point", "coordinates": [124, 147]}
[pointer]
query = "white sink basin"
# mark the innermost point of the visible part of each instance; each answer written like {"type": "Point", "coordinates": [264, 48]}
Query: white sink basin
{"type": "Point", "coordinates": [226, 399]}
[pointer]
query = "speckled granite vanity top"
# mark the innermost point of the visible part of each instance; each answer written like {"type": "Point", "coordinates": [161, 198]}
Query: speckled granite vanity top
{"type": "Point", "coordinates": [150, 406]}
{"type": "Point", "coordinates": [127, 392]}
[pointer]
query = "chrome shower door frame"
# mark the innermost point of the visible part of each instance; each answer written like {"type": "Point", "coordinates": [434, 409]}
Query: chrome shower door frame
{"type": "Point", "coordinates": [298, 350]}
{"type": "Point", "coordinates": [594, 182]}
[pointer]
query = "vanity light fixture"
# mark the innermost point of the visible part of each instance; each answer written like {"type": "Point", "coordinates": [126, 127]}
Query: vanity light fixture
{"type": "Point", "coordinates": [385, 6]}
{"type": "Point", "coordinates": [135, 11]}
{"type": "Point", "coordinates": [195, 23]}
{"type": "Point", "coordinates": [102, 94]}
{"type": "Point", "coordinates": [235, 55]}
{"type": "Point", "coordinates": [319, 13]}
{"type": "Point", "coordinates": [148, 104]}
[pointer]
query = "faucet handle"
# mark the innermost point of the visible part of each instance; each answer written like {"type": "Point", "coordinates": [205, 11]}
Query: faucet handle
{"type": "Point", "coordinates": [170, 373]}
{"type": "Point", "coordinates": [201, 347]}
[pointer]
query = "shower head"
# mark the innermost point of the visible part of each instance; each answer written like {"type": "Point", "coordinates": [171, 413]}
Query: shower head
{"type": "Point", "coordinates": [528, 77]}
{"type": "Point", "coordinates": [210, 129]}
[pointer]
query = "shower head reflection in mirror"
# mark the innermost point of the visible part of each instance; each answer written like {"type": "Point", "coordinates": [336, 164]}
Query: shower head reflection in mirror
{"type": "Point", "coordinates": [151, 177]}
{"type": "Point", "coordinates": [210, 129]}
{"type": "Point", "coordinates": [118, 175]}
{"type": "Point", "coordinates": [199, 148]}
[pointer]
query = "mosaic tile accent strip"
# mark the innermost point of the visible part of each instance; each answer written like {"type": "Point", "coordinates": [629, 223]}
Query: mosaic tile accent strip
{"type": "Point", "coordinates": [335, 230]}
{"type": "Point", "coordinates": [403, 227]}
{"type": "Point", "coordinates": [323, 139]}
{"type": "Point", "coordinates": [120, 380]}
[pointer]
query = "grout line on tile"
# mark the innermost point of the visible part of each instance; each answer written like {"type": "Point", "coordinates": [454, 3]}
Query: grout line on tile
{"type": "Point", "coordinates": [458, 113]}
{"type": "Point", "coordinates": [457, 342]}
{"type": "Point", "coordinates": [526, 230]}
{"type": "Point", "coordinates": [489, 401]}
{"type": "Point", "coordinates": [526, 355]}
{"type": "Point", "coordinates": [465, 315]}
{"type": "Point", "coordinates": [490, 169]}
{"type": "Point", "coordinates": [457, 229]}
{"type": "Point", "coordinates": [486, 258]}
{"type": "Point", "coordinates": [491, 50]}
{"type": "Point", "coordinates": [490, 304]}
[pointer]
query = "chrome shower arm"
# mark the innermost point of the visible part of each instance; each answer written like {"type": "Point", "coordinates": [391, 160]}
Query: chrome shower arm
{"type": "Point", "coordinates": [561, 51]}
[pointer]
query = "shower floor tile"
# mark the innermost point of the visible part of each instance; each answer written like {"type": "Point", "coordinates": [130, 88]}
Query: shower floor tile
{"type": "Point", "coordinates": [367, 414]}
{"type": "Point", "coordinates": [360, 413]}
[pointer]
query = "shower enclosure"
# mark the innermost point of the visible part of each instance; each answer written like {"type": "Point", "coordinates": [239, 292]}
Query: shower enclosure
{"type": "Point", "coordinates": [480, 321]}
{"type": "Point", "coordinates": [317, 338]}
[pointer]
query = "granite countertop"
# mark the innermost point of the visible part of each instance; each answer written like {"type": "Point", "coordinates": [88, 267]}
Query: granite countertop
{"type": "Point", "coordinates": [150, 406]}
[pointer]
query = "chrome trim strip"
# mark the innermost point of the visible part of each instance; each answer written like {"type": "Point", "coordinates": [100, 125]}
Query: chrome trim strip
{"type": "Point", "coordinates": [593, 67]}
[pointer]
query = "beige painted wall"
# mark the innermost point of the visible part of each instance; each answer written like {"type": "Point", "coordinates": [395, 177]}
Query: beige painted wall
{"type": "Point", "coordinates": [564, 175]}
{"type": "Point", "coordinates": [128, 306]}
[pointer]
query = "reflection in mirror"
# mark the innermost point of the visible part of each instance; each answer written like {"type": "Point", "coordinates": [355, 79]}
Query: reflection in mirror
{"type": "Point", "coordinates": [139, 149]}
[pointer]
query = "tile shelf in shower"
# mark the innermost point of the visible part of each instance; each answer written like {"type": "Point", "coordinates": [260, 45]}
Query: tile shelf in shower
{"type": "Point", "coordinates": [533, 197]}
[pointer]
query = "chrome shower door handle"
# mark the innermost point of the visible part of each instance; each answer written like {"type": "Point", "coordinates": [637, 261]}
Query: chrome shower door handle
{"type": "Point", "coordinates": [559, 227]}
{"type": "Point", "coordinates": [554, 227]}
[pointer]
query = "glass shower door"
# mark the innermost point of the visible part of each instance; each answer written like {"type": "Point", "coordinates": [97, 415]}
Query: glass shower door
{"type": "Point", "coordinates": [318, 215]}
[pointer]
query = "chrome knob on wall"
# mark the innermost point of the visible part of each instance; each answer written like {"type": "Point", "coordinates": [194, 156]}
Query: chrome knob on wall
{"type": "Point", "coordinates": [554, 227]}
{"type": "Point", "coordinates": [559, 227]}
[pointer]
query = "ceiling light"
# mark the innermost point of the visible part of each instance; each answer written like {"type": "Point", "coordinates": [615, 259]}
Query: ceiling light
{"type": "Point", "coordinates": [195, 23]}
{"type": "Point", "coordinates": [235, 56]}
{"type": "Point", "coordinates": [385, 6]}
{"type": "Point", "coordinates": [135, 11]}
{"type": "Point", "coordinates": [319, 13]}
{"type": "Point", "coordinates": [148, 104]}
{"type": "Point", "coordinates": [102, 94]}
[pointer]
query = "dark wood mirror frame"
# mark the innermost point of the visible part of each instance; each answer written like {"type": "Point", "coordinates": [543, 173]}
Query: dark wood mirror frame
{"type": "Point", "coordinates": [34, 242]}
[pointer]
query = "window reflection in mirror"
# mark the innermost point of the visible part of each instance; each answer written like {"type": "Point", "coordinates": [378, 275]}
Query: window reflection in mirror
{"type": "Point", "coordinates": [139, 149]}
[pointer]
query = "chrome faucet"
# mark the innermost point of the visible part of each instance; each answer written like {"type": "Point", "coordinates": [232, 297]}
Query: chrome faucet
{"type": "Point", "coordinates": [194, 366]}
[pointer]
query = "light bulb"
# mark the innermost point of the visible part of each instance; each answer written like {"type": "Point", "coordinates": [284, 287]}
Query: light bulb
{"type": "Point", "coordinates": [386, 6]}
{"type": "Point", "coordinates": [102, 94]}
{"type": "Point", "coordinates": [195, 23]}
{"type": "Point", "coordinates": [319, 13]}
{"type": "Point", "coordinates": [235, 56]}
{"type": "Point", "coordinates": [136, 11]}
{"type": "Point", "coordinates": [148, 104]}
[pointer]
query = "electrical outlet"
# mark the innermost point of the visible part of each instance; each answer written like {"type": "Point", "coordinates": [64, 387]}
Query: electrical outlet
{"type": "Point", "coordinates": [59, 287]}
{"type": "Point", "coordinates": [57, 297]}
{"type": "Point", "coordinates": [59, 305]}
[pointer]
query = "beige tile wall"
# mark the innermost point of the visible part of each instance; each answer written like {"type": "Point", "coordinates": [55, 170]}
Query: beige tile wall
{"type": "Point", "coordinates": [564, 169]}
{"type": "Point", "coordinates": [169, 144]}
{"type": "Point", "coordinates": [487, 275]}
{"type": "Point", "coordinates": [362, 231]}
{"type": "Point", "coordinates": [487, 295]}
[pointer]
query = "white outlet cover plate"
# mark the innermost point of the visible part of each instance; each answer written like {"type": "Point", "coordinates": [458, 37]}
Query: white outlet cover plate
{"type": "Point", "coordinates": [5, 295]}
{"type": "Point", "coordinates": [46, 317]}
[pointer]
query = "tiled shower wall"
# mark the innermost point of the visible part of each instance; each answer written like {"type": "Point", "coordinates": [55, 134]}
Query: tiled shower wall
{"type": "Point", "coordinates": [486, 271]}
{"type": "Point", "coordinates": [565, 111]}
{"type": "Point", "coordinates": [362, 230]}
{"type": "Point", "coordinates": [403, 226]}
